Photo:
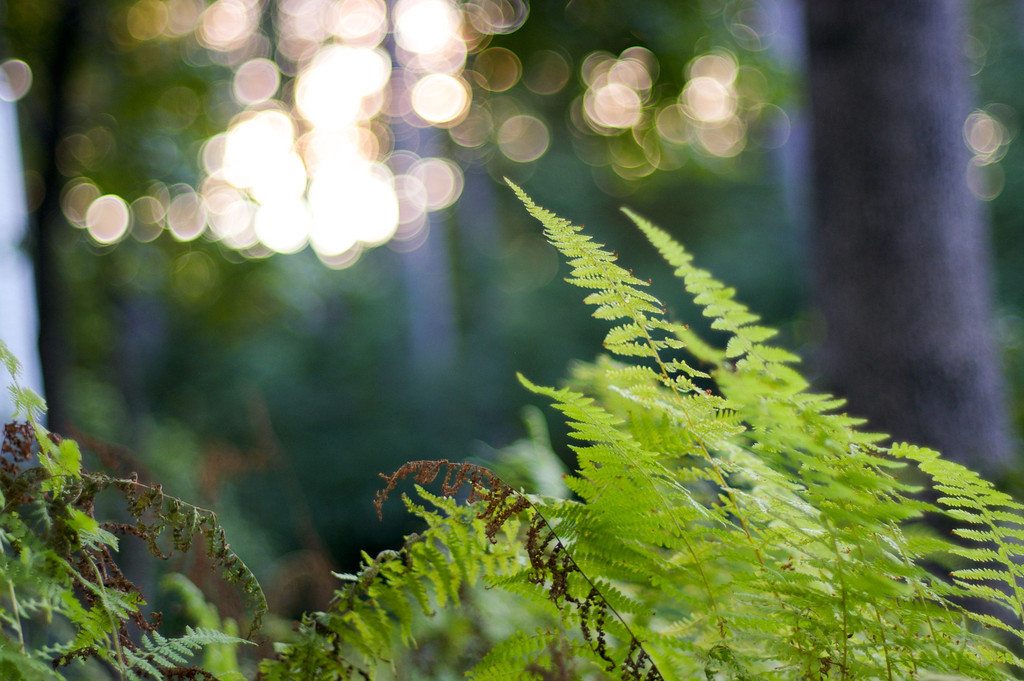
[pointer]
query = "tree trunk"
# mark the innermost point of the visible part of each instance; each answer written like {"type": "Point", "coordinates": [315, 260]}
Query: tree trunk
{"type": "Point", "coordinates": [49, 220]}
{"type": "Point", "coordinates": [900, 244]}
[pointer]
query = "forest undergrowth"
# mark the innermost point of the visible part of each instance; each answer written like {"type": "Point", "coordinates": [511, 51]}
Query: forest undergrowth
{"type": "Point", "coordinates": [721, 521]}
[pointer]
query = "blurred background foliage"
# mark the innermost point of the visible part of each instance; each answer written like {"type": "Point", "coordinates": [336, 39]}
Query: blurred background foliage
{"type": "Point", "coordinates": [286, 261]}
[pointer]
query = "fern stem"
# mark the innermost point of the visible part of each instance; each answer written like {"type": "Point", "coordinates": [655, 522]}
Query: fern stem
{"type": "Point", "coordinates": [641, 320]}
{"type": "Point", "coordinates": [17, 617]}
{"type": "Point", "coordinates": [115, 626]}
{"type": "Point", "coordinates": [486, 488]}
{"type": "Point", "coordinates": [842, 595]}
{"type": "Point", "coordinates": [712, 601]}
{"type": "Point", "coordinates": [881, 625]}
{"type": "Point", "coordinates": [719, 475]}
{"type": "Point", "coordinates": [917, 590]}
{"type": "Point", "coordinates": [963, 642]}
{"type": "Point", "coordinates": [583, 574]}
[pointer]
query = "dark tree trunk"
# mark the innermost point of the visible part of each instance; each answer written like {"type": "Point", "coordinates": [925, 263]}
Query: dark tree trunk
{"type": "Point", "coordinates": [48, 220]}
{"type": "Point", "coordinates": [900, 244]}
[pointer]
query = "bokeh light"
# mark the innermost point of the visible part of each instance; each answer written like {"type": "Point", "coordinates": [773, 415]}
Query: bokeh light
{"type": "Point", "coordinates": [147, 19]}
{"type": "Point", "coordinates": [475, 128]}
{"type": "Point", "coordinates": [725, 140]}
{"type": "Point", "coordinates": [352, 204]}
{"type": "Point", "coordinates": [631, 126]}
{"type": "Point", "coordinates": [441, 179]}
{"type": "Point", "coordinates": [613, 105]}
{"type": "Point", "coordinates": [230, 215]}
{"type": "Point", "coordinates": [338, 88]}
{"type": "Point", "coordinates": [412, 207]}
{"type": "Point", "coordinates": [426, 26]}
{"type": "Point", "coordinates": [440, 98]}
{"type": "Point", "coordinates": [708, 100]}
{"type": "Point", "coordinates": [284, 226]}
{"type": "Point", "coordinates": [108, 219]}
{"type": "Point", "coordinates": [227, 24]}
{"type": "Point", "coordinates": [360, 23]}
{"type": "Point", "coordinates": [711, 101]}
{"type": "Point", "coordinates": [258, 154]}
{"type": "Point", "coordinates": [256, 81]}
{"type": "Point", "coordinates": [547, 72]}
{"type": "Point", "coordinates": [186, 216]}
{"type": "Point", "coordinates": [523, 138]}
{"type": "Point", "coordinates": [302, 26]}
{"type": "Point", "coordinates": [720, 66]}
{"type": "Point", "coordinates": [341, 260]}
{"type": "Point", "coordinates": [148, 215]}
{"type": "Point", "coordinates": [355, 144]}
{"type": "Point", "coordinates": [673, 125]}
{"type": "Point", "coordinates": [182, 16]}
{"type": "Point", "coordinates": [84, 150]}
{"type": "Point", "coordinates": [497, 69]}
{"type": "Point", "coordinates": [325, 114]}
{"type": "Point", "coordinates": [985, 180]}
{"type": "Point", "coordinates": [491, 17]}
{"type": "Point", "coordinates": [988, 139]}
{"type": "Point", "coordinates": [618, 89]}
{"type": "Point", "coordinates": [15, 79]}
{"type": "Point", "coordinates": [771, 126]}
{"type": "Point", "coordinates": [76, 198]}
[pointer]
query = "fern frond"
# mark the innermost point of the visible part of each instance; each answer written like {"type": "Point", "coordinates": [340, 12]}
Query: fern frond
{"type": "Point", "coordinates": [461, 546]}
{"type": "Point", "coordinates": [510, 658]}
{"type": "Point", "coordinates": [763, 493]}
{"type": "Point", "coordinates": [157, 654]}
{"type": "Point", "coordinates": [967, 498]}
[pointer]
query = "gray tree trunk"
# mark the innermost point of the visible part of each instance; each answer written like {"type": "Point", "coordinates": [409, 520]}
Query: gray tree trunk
{"type": "Point", "coordinates": [900, 244]}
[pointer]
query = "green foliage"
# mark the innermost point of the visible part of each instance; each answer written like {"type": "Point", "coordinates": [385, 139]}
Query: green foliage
{"type": "Point", "coordinates": [156, 653]}
{"type": "Point", "coordinates": [460, 547]}
{"type": "Point", "coordinates": [725, 523]}
{"type": "Point", "coordinates": [67, 601]}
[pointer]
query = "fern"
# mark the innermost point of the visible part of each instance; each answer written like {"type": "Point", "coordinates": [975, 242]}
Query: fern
{"type": "Point", "coordinates": [355, 637]}
{"type": "Point", "coordinates": [157, 657]}
{"type": "Point", "coordinates": [57, 559]}
{"type": "Point", "coordinates": [727, 522]}
{"type": "Point", "coordinates": [806, 518]}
